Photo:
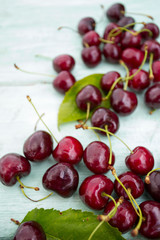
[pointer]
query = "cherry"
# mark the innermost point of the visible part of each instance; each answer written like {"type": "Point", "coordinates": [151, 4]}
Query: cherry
{"type": "Point", "coordinates": [125, 217]}
{"type": "Point", "coordinates": [108, 79]}
{"type": "Point", "coordinates": [38, 146]}
{"type": "Point", "coordinates": [115, 12]}
{"type": "Point", "coordinates": [150, 228]}
{"type": "Point", "coordinates": [62, 178]}
{"type": "Point", "coordinates": [63, 62]}
{"type": "Point", "coordinates": [105, 117]}
{"type": "Point", "coordinates": [153, 28]}
{"type": "Point", "coordinates": [153, 187]}
{"type": "Point", "coordinates": [131, 41]}
{"type": "Point", "coordinates": [86, 24]}
{"type": "Point", "coordinates": [64, 81]}
{"type": "Point", "coordinates": [125, 21]}
{"type": "Point", "coordinates": [156, 71]}
{"type": "Point", "coordinates": [107, 33]}
{"type": "Point", "coordinates": [91, 56]}
{"type": "Point", "coordinates": [152, 96]}
{"type": "Point", "coordinates": [112, 52]}
{"type": "Point", "coordinates": [153, 47]}
{"type": "Point", "coordinates": [130, 181]}
{"type": "Point", "coordinates": [13, 165]}
{"type": "Point", "coordinates": [96, 157]}
{"type": "Point", "coordinates": [88, 94]}
{"type": "Point", "coordinates": [132, 57]}
{"type": "Point", "coordinates": [140, 161]}
{"type": "Point", "coordinates": [69, 150]}
{"type": "Point", "coordinates": [30, 230]}
{"type": "Point", "coordinates": [91, 191]}
{"type": "Point", "coordinates": [140, 81]}
{"type": "Point", "coordinates": [91, 38]}
{"type": "Point", "coordinates": [123, 101]}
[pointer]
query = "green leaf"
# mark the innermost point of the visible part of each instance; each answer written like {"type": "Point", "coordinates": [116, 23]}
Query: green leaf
{"type": "Point", "coordinates": [68, 110]}
{"type": "Point", "coordinates": [71, 225]}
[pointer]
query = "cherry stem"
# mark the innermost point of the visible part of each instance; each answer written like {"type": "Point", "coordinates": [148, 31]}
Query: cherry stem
{"type": "Point", "coordinates": [86, 45]}
{"type": "Point", "coordinates": [141, 14]}
{"type": "Point", "coordinates": [42, 56]}
{"type": "Point", "coordinates": [132, 24]}
{"type": "Point", "coordinates": [152, 111]}
{"type": "Point", "coordinates": [24, 186]}
{"type": "Point", "coordinates": [144, 30]}
{"type": "Point", "coordinates": [33, 73]}
{"type": "Point", "coordinates": [127, 72]}
{"type": "Point", "coordinates": [35, 128]}
{"type": "Point", "coordinates": [110, 145]}
{"type": "Point", "coordinates": [95, 230]}
{"type": "Point", "coordinates": [147, 178]}
{"type": "Point", "coordinates": [87, 117]}
{"type": "Point", "coordinates": [66, 27]}
{"type": "Point", "coordinates": [15, 221]}
{"type": "Point", "coordinates": [111, 89]}
{"type": "Point", "coordinates": [29, 99]}
{"type": "Point", "coordinates": [106, 41]}
{"type": "Point", "coordinates": [151, 76]}
{"type": "Point", "coordinates": [22, 189]}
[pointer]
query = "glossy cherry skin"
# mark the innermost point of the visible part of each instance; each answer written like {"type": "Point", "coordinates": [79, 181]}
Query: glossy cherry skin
{"type": "Point", "coordinates": [104, 116]}
{"type": "Point", "coordinates": [86, 24]}
{"type": "Point", "coordinates": [150, 228]}
{"type": "Point", "coordinates": [153, 188]}
{"type": "Point", "coordinates": [107, 31]}
{"type": "Point", "coordinates": [140, 81]}
{"type": "Point", "coordinates": [11, 166]}
{"type": "Point", "coordinates": [88, 94]}
{"type": "Point", "coordinates": [38, 146]}
{"type": "Point", "coordinates": [152, 96]}
{"type": "Point", "coordinates": [91, 191]}
{"type": "Point", "coordinates": [123, 101]}
{"type": "Point", "coordinates": [61, 178]}
{"type": "Point", "coordinates": [63, 62]}
{"type": "Point", "coordinates": [91, 56]}
{"type": "Point", "coordinates": [108, 79]}
{"type": "Point", "coordinates": [153, 28]}
{"type": "Point", "coordinates": [96, 157]}
{"type": "Point", "coordinates": [112, 52]}
{"type": "Point", "coordinates": [153, 47]}
{"type": "Point", "coordinates": [91, 38]}
{"type": "Point", "coordinates": [30, 230]}
{"type": "Point", "coordinates": [131, 41]}
{"type": "Point", "coordinates": [115, 12]}
{"type": "Point", "coordinates": [125, 21]}
{"type": "Point", "coordinates": [141, 161]}
{"type": "Point", "coordinates": [131, 181]}
{"type": "Point", "coordinates": [64, 81]}
{"type": "Point", "coordinates": [132, 57]}
{"type": "Point", "coordinates": [125, 217]}
{"type": "Point", "coordinates": [68, 150]}
{"type": "Point", "coordinates": [156, 71]}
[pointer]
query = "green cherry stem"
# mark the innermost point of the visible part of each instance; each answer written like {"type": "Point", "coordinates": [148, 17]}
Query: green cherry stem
{"type": "Point", "coordinates": [132, 24]}
{"type": "Point", "coordinates": [22, 189]}
{"type": "Point", "coordinates": [106, 41]}
{"type": "Point", "coordinates": [147, 179]}
{"type": "Point", "coordinates": [140, 14]}
{"type": "Point", "coordinates": [24, 186]}
{"type": "Point", "coordinates": [127, 74]}
{"type": "Point", "coordinates": [110, 145]}
{"type": "Point", "coordinates": [35, 128]}
{"type": "Point", "coordinates": [95, 230]}
{"type": "Point", "coordinates": [42, 56]}
{"type": "Point", "coordinates": [151, 76]}
{"type": "Point", "coordinates": [111, 89]}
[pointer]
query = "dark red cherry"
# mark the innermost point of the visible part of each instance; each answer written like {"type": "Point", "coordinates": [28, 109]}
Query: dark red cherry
{"type": "Point", "coordinates": [156, 71]}
{"type": "Point", "coordinates": [150, 228]}
{"type": "Point", "coordinates": [112, 52]}
{"type": "Point", "coordinates": [125, 217]}
{"type": "Point", "coordinates": [88, 94]}
{"type": "Point", "coordinates": [108, 29]}
{"type": "Point", "coordinates": [63, 62]}
{"type": "Point", "coordinates": [115, 12]}
{"type": "Point", "coordinates": [108, 79]}
{"type": "Point", "coordinates": [91, 38]}
{"type": "Point", "coordinates": [123, 101]}
{"type": "Point", "coordinates": [131, 181]}
{"type": "Point", "coordinates": [141, 161]}
{"type": "Point", "coordinates": [140, 81]}
{"type": "Point", "coordinates": [153, 28]}
{"type": "Point", "coordinates": [38, 146]}
{"type": "Point", "coordinates": [125, 21]}
{"type": "Point", "coordinates": [30, 230]}
{"type": "Point", "coordinates": [91, 56]}
{"type": "Point", "coordinates": [61, 178]}
{"type": "Point", "coordinates": [152, 96]}
{"type": "Point", "coordinates": [91, 191]}
{"type": "Point", "coordinates": [69, 150]}
{"type": "Point", "coordinates": [132, 57]}
{"type": "Point", "coordinates": [153, 47]}
{"type": "Point", "coordinates": [131, 41]}
{"type": "Point", "coordinates": [11, 166]}
{"type": "Point", "coordinates": [153, 187]}
{"type": "Point", "coordinates": [64, 81]}
{"type": "Point", "coordinates": [96, 157]}
{"type": "Point", "coordinates": [86, 24]}
{"type": "Point", "coordinates": [105, 117]}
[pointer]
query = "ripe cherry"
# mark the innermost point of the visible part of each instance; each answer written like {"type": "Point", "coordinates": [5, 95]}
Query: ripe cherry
{"type": "Point", "coordinates": [153, 28]}
{"type": "Point", "coordinates": [131, 41]}
{"type": "Point", "coordinates": [123, 101]}
{"type": "Point", "coordinates": [91, 56]}
{"type": "Point", "coordinates": [153, 187]}
{"type": "Point", "coordinates": [68, 150]}
{"type": "Point", "coordinates": [64, 81]}
{"type": "Point", "coordinates": [132, 57]}
{"type": "Point", "coordinates": [91, 38]}
{"type": "Point", "coordinates": [153, 47]}
{"type": "Point", "coordinates": [86, 24]}
{"type": "Point", "coordinates": [125, 217]}
{"type": "Point", "coordinates": [62, 178]}
{"type": "Point", "coordinates": [38, 146]}
{"type": "Point", "coordinates": [152, 96]}
{"type": "Point", "coordinates": [63, 62]}
{"type": "Point", "coordinates": [96, 157]}
{"type": "Point", "coordinates": [156, 71]}
{"type": "Point", "coordinates": [108, 79]}
{"type": "Point", "coordinates": [112, 52]}
{"type": "Point", "coordinates": [91, 191]}
{"type": "Point", "coordinates": [109, 29]}
{"type": "Point", "coordinates": [150, 228]}
{"type": "Point", "coordinates": [125, 21]}
{"type": "Point", "coordinates": [30, 230]}
{"type": "Point", "coordinates": [115, 12]}
{"type": "Point", "coordinates": [140, 81]}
